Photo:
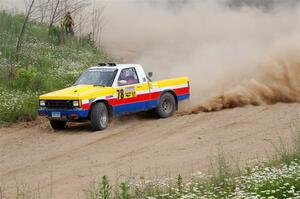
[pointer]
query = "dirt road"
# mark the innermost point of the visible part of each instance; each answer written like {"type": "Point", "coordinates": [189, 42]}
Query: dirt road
{"type": "Point", "coordinates": [61, 163]}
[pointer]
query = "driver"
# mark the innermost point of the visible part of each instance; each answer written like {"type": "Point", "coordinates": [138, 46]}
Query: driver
{"type": "Point", "coordinates": [128, 76]}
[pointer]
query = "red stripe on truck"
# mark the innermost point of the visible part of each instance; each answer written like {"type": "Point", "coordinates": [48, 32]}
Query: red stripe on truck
{"type": "Point", "coordinates": [139, 98]}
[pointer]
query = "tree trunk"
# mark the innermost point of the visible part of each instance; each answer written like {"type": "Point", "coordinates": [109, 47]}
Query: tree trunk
{"type": "Point", "coordinates": [54, 15]}
{"type": "Point", "coordinates": [21, 36]}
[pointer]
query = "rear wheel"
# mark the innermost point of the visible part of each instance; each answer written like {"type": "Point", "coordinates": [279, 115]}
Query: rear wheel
{"type": "Point", "coordinates": [58, 125]}
{"type": "Point", "coordinates": [99, 116]}
{"type": "Point", "coordinates": [166, 105]}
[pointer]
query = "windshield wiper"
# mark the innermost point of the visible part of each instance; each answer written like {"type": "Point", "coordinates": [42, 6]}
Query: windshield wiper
{"type": "Point", "coordinates": [103, 85]}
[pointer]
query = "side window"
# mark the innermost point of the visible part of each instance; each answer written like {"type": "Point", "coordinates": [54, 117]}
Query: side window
{"type": "Point", "coordinates": [128, 76]}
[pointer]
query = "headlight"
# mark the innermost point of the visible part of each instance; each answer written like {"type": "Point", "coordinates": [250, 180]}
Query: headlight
{"type": "Point", "coordinates": [42, 103]}
{"type": "Point", "coordinates": [76, 103]}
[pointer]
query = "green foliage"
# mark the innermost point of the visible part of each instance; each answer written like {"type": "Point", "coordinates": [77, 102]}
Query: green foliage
{"type": "Point", "coordinates": [47, 62]}
{"type": "Point", "coordinates": [25, 78]}
{"type": "Point", "coordinates": [180, 184]}
{"type": "Point", "coordinates": [56, 34]}
{"type": "Point", "coordinates": [286, 153]}
{"type": "Point", "coordinates": [282, 181]}
{"type": "Point", "coordinates": [100, 190]}
{"type": "Point", "coordinates": [105, 188]}
{"type": "Point", "coordinates": [222, 173]}
{"type": "Point", "coordinates": [124, 194]}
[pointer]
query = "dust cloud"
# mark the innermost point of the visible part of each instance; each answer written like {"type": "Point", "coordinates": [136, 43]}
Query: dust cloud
{"type": "Point", "coordinates": [242, 53]}
{"type": "Point", "coordinates": [277, 80]}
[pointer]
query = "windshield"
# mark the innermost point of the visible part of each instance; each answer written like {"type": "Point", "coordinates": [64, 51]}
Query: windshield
{"type": "Point", "coordinates": [97, 77]}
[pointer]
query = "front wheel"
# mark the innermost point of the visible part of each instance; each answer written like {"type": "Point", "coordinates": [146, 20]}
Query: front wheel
{"type": "Point", "coordinates": [99, 116]}
{"type": "Point", "coordinates": [166, 105]}
{"type": "Point", "coordinates": [58, 125]}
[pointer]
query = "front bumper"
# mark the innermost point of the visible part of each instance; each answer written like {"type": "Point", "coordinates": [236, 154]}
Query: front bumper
{"type": "Point", "coordinates": [69, 115]}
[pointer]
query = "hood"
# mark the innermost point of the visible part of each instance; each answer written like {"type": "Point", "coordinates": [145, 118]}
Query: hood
{"type": "Point", "coordinates": [78, 92]}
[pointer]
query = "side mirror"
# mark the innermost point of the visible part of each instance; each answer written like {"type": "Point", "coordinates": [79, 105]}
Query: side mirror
{"type": "Point", "coordinates": [122, 82]}
{"type": "Point", "coordinates": [150, 74]}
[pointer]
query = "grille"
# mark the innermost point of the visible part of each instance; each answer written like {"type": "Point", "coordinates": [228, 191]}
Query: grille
{"type": "Point", "coordinates": [59, 104]}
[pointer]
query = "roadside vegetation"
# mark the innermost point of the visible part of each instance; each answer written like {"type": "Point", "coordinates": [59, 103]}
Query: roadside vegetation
{"type": "Point", "coordinates": [278, 178]}
{"type": "Point", "coordinates": [46, 62]}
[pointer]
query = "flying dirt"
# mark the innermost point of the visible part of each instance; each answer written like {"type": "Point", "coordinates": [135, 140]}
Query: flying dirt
{"type": "Point", "coordinates": [276, 81]}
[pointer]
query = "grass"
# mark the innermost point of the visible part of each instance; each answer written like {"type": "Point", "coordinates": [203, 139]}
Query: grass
{"type": "Point", "coordinates": [47, 62]}
{"type": "Point", "coordinates": [99, 190]}
{"type": "Point", "coordinates": [277, 178]}
{"type": "Point", "coordinates": [284, 153]}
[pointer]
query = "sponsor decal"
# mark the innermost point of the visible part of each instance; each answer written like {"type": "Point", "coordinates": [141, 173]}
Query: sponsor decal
{"type": "Point", "coordinates": [129, 89]}
{"type": "Point", "coordinates": [127, 92]}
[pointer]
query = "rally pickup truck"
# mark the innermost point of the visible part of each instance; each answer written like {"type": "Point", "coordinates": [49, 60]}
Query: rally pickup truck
{"type": "Point", "coordinates": [108, 90]}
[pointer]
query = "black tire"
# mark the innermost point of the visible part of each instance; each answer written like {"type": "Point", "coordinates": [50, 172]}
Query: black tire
{"type": "Point", "coordinates": [166, 106]}
{"type": "Point", "coordinates": [99, 117]}
{"type": "Point", "coordinates": [58, 125]}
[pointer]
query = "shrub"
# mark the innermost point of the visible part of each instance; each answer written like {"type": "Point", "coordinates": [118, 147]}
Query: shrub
{"type": "Point", "coordinates": [25, 78]}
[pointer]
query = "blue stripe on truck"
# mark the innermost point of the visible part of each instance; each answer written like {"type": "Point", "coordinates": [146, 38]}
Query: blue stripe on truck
{"type": "Point", "coordinates": [134, 107]}
{"type": "Point", "coordinates": [183, 97]}
{"type": "Point", "coordinates": [64, 113]}
{"type": "Point", "coordinates": [141, 106]}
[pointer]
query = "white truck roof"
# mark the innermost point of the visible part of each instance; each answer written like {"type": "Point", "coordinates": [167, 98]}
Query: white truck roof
{"type": "Point", "coordinates": [119, 66]}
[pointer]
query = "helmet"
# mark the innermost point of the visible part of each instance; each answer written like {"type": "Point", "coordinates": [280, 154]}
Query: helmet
{"type": "Point", "coordinates": [128, 73]}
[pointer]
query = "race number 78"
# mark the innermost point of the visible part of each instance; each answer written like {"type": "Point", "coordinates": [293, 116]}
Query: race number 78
{"type": "Point", "coordinates": [120, 93]}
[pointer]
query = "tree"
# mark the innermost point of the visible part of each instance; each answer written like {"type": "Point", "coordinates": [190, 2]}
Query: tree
{"type": "Point", "coordinates": [98, 22]}
{"type": "Point", "coordinates": [54, 13]}
{"type": "Point", "coordinates": [42, 9]}
{"type": "Point", "coordinates": [23, 29]}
